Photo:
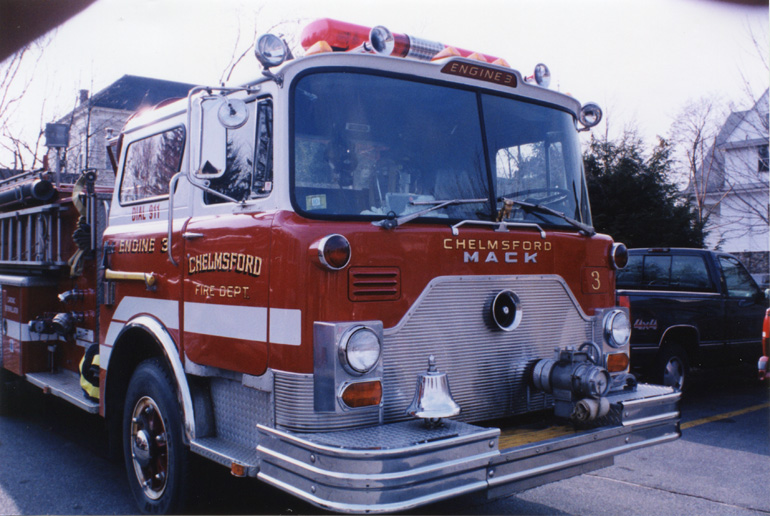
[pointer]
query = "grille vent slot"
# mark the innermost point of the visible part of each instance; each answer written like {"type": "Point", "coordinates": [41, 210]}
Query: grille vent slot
{"type": "Point", "coordinates": [374, 283]}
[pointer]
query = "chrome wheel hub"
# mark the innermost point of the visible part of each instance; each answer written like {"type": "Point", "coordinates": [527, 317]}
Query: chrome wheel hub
{"type": "Point", "coordinates": [673, 374]}
{"type": "Point", "coordinates": [149, 449]}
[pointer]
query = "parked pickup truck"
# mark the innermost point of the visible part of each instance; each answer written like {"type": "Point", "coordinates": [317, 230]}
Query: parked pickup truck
{"type": "Point", "coordinates": [690, 307]}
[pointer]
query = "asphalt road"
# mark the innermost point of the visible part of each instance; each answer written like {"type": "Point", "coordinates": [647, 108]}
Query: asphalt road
{"type": "Point", "coordinates": [53, 460]}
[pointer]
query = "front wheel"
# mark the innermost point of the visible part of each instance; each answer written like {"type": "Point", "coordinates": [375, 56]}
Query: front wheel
{"type": "Point", "coordinates": [673, 368]}
{"type": "Point", "coordinates": [156, 457]}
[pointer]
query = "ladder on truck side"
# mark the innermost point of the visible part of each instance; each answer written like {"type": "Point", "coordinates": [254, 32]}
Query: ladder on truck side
{"type": "Point", "coordinates": [30, 238]}
{"type": "Point", "coordinates": [30, 243]}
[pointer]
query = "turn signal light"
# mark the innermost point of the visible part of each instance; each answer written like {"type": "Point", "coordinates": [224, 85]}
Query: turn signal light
{"type": "Point", "coordinates": [617, 362]}
{"type": "Point", "coordinates": [362, 394]}
{"type": "Point", "coordinates": [332, 252]}
{"type": "Point", "coordinates": [619, 256]}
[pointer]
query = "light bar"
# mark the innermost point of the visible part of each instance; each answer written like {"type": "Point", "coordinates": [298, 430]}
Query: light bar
{"type": "Point", "coordinates": [343, 36]}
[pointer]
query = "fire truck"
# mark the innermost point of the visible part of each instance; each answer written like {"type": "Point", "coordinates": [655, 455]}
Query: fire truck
{"type": "Point", "coordinates": [368, 278]}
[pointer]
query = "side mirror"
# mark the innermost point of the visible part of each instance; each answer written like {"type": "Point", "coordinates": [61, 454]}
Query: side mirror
{"type": "Point", "coordinates": [209, 160]}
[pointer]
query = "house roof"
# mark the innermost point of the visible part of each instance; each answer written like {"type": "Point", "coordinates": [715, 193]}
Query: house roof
{"type": "Point", "coordinates": [713, 166]}
{"type": "Point", "coordinates": [131, 92]}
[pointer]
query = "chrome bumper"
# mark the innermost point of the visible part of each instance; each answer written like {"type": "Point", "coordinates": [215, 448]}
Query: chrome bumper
{"type": "Point", "coordinates": [402, 465]}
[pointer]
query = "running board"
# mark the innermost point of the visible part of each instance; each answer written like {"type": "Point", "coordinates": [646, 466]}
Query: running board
{"type": "Point", "coordinates": [64, 384]}
{"type": "Point", "coordinates": [242, 460]}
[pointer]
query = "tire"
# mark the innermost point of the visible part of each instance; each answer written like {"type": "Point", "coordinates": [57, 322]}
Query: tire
{"type": "Point", "coordinates": [9, 387]}
{"type": "Point", "coordinates": [155, 455]}
{"type": "Point", "coordinates": [673, 368]}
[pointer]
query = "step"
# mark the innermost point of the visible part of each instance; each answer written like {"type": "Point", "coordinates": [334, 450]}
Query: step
{"type": "Point", "coordinates": [66, 385]}
{"type": "Point", "coordinates": [242, 460]}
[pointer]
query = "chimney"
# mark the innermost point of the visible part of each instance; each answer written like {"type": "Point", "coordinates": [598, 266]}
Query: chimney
{"type": "Point", "coordinates": [83, 96]}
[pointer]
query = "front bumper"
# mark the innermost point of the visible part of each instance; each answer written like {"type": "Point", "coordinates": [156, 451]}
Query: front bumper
{"type": "Point", "coordinates": [402, 465]}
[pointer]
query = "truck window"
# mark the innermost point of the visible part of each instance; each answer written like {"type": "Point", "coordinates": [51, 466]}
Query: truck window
{"type": "Point", "coordinates": [535, 158]}
{"type": "Point", "coordinates": [678, 272]}
{"type": "Point", "coordinates": [368, 147]}
{"type": "Point", "coordinates": [690, 273]}
{"type": "Point", "coordinates": [631, 275]}
{"type": "Point", "coordinates": [738, 281]}
{"type": "Point", "coordinates": [657, 271]}
{"type": "Point", "coordinates": [149, 165]}
{"type": "Point", "coordinates": [249, 159]}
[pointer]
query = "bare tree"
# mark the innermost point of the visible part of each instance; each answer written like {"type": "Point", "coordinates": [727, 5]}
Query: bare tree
{"type": "Point", "coordinates": [16, 75]}
{"type": "Point", "coordinates": [695, 132]}
{"type": "Point", "coordinates": [723, 155]}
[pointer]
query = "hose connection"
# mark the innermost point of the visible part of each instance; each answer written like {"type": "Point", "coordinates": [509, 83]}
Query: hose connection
{"type": "Point", "coordinates": [576, 382]}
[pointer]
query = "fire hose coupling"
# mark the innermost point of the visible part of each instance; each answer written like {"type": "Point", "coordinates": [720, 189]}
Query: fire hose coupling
{"type": "Point", "coordinates": [64, 323]}
{"type": "Point", "coordinates": [577, 383]}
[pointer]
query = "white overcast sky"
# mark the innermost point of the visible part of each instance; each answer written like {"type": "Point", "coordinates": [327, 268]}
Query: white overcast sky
{"type": "Point", "coordinates": [641, 60]}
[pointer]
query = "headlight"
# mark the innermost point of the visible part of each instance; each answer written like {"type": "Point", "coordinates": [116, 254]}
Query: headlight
{"type": "Point", "coordinates": [617, 328]}
{"type": "Point", "coordinates": [359, 350]}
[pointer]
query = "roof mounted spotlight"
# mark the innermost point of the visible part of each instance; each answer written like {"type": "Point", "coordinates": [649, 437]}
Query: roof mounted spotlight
{"type": "Point", "coordinates": [542, 75]}
{"type": "Point", "coordinates": [271, 51]}
{"type": "Point", "coordinates": [590, 116]}
{"type": "Point", "coordinates": [381, 40]}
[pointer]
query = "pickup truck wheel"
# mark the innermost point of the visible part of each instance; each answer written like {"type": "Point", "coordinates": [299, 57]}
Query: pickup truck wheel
{"type": "Point", "coordinates": [673, 369]}
{"type": "Point", "coordinates": [156, 457]}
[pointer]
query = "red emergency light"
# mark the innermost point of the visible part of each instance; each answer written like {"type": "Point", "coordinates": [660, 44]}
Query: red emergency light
{"type": "Point", "coordinates": [342, 36]}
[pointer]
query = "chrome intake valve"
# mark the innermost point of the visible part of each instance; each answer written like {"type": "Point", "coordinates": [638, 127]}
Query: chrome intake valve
{"type": "Point", "coordinates": [576, 382]}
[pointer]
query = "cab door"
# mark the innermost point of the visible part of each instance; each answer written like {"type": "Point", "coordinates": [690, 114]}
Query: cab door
{"type": "Point", "coordinates": [744, 311]}
{"type": "Point", "coordinates": [140, 279]}
{"type": "Point", "coordinates": [226, 251]}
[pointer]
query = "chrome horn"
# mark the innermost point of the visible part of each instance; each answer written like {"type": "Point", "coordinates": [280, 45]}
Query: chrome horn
{"type": "Point", "coordinates": [432, 398]}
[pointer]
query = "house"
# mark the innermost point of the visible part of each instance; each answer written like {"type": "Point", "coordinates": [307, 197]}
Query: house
{"type": "Point", "coordinates": [103, 115]}
{"type": "Point", "coordinates": [733, 185]}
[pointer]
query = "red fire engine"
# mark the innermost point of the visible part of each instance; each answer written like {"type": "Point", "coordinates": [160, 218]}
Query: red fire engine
{"type": "Point", "coordinates": [368, 278]}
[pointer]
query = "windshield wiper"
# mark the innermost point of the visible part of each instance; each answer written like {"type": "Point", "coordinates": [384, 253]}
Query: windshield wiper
{"type": "Point", "coordinates": [526, 206]}
{"type": "Point", "coordinates": [393, 222]}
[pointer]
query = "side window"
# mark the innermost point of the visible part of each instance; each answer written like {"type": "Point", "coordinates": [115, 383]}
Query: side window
{"type": "Point", "coordinates": [150, 164]}
{"type": "Point", "coordinates": [738, 281]}
{"type": "Point", "coordinates": [657, 271]}
{"type": "Point", "coordinates": [249, 158]}
{"type": "Point", "coordinates": [631, 275]}
{"type": "Point", "coordinates": [690, 273]}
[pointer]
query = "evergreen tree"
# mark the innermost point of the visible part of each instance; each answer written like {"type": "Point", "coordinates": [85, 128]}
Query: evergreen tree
{"type": "Point", "coordinates": [632, 197]}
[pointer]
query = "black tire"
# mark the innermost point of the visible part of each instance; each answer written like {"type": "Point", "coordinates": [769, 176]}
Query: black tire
{"type": "Point", "coordinates": [157, 460]}
{"type": "Point", "coordinates": [9, 387]}
{"type": "Point", "coordinates": [672, 368]}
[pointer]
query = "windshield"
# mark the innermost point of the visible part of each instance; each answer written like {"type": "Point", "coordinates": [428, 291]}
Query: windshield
{"type": "Point", "coordinates": [371, 147]}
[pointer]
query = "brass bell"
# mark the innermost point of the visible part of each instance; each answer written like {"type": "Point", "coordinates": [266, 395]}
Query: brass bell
{"type": "Point", "coordinates": [432, 399]}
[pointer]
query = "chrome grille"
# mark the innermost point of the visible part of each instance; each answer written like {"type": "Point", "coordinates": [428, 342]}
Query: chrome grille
{"type": "Point", "coordinates": [294, 407]}
{"type": "Point", "coordinates": [487, 368]}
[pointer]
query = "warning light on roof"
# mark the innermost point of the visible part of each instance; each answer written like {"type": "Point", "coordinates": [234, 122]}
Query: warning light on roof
{"type": "Point", "coordinates": [346, 37]}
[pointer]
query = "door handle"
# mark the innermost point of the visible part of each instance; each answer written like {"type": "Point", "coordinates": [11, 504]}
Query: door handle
{"type": "Point", "coordinates": [192, 236]}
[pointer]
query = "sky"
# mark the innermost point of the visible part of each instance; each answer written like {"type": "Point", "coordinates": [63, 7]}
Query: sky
{"type": "Point", "coordinates": [640, 60]}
